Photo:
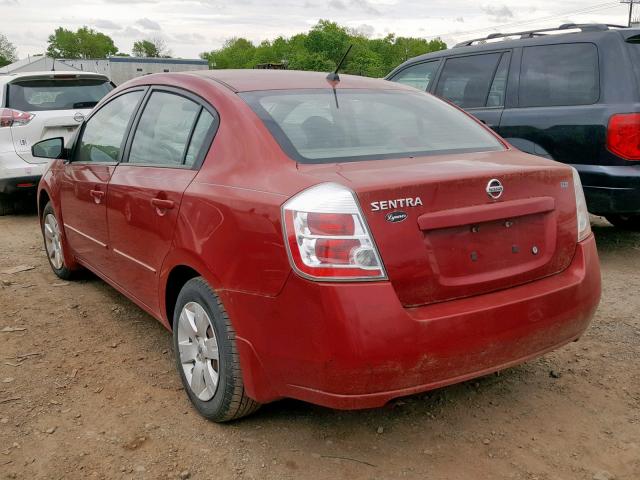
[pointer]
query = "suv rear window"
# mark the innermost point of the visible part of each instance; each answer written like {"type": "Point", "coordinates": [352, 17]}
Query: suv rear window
{"type": "Point", "coordinates": [55, 94]}
{"type": "Point", "coordinates": [316, 126]}
{"type": "Point", "coordinates": [565, 74]}
{"type": "Point", "coordinates": [634, 49]}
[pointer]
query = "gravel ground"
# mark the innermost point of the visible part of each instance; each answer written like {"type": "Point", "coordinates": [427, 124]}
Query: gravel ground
{"type": "Point", "coordinates": [88, 389]}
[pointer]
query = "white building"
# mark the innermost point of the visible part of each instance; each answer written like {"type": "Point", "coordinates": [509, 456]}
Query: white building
{"type": "Point", "coordinates": [118, 69]}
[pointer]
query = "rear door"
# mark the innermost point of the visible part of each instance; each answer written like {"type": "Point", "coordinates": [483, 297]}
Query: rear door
{"type": "Point", "coordinates": [557, 114]}
{"type": "Point", "coordinates": [84, 179]}
{"type": "Point", "coordinates": [172, 135]}
{"type": "Point", "coordinates": [476, 83]}
{"type": "Point", "coordinates": [59, 103]}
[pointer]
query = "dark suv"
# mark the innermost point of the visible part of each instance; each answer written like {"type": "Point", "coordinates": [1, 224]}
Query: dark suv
{"type": "Point", "coordinates": [571, 94]}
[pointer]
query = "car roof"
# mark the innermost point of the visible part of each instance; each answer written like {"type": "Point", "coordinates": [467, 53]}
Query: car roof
{"type": "Point", "coordinates": [253, 80]}
{"type": "Point", "coordinates": [47, 74]}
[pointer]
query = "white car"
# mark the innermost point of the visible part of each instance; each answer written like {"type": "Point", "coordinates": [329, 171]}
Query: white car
{"type": "Point", "coordinates": [34, 106]}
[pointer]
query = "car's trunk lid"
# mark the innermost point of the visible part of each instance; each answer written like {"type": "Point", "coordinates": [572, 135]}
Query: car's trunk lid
{"type": "Point", "coordinates": [441, 236]}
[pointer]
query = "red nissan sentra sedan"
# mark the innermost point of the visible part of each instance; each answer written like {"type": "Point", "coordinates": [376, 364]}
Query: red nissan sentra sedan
{"type": "Point", "coordinates": [341, 243]}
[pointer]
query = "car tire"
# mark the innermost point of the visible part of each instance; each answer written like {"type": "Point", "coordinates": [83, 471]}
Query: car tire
{"type": "Point", "coordinates": [626, 222]}
{"type": "Point", "coordinates": [51, 234]}
{"type": "Point", "coordinates": [207, 356]}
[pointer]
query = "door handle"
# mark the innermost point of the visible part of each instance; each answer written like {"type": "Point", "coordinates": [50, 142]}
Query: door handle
{"type": "Point", "coordinates": [162, 204]}
{"type": "Point", "coordinates": [97, 195]}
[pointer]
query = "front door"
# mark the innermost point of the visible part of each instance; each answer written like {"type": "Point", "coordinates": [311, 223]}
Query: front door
{"type": "Point", "coordinates": [82, 196]}
{"type": "Point", "coordinates": [145, 191]}
{"type": "Point", "coordinates": [83, 190]}
{"type": "Point", "coordinates": [558, 115]}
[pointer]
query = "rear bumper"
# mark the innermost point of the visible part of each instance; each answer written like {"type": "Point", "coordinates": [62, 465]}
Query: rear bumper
{"type": "Point", "coordinates": [354, 346]}
{"type": "Point", "coordinates": [28, 184]}
{"type": "Point", "coordinates": [16, 175]}
{"type": "Point", "coordinates": [611, 189]}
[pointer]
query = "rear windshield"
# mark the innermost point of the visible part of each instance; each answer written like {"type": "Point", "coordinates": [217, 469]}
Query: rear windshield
{"type": "Point", "coordinates": [634, 48]}
{"type": "Point", "coordinates": [52, 94]}
{"type": "Point", "coordinates": [318, 126]}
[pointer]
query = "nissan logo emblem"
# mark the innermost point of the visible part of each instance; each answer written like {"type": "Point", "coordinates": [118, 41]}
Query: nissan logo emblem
{"type": "Point", "coordinates": [78, 117]}
{"type": "Point", "coordinates": [494, 188]}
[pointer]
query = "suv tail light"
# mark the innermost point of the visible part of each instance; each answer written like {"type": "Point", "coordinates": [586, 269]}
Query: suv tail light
{"type": "Point", "coordinates": [327, 236]}
{"type": "Point", "coordinates": [623, 135]}
{"type": "Point", "coordinates": [10, 117]}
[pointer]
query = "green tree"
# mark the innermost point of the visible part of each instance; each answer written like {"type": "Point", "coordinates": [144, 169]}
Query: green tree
{"type": "Point", "coordinates": [407, 47]}
{"type": "Point", "coordinates": [321, 49]}
{"type": "Point", "coordinates": [364, 61]}
{"type": "Point", "coordinates": [155, 47]}
{"type": "Point", "coordinates": [7, 51]}
{"type": "Point", "coordinates": [329, 40]}
{"type": "Point", "coordinates": [83, 43]}
{"type": "Point", "coordinates": [235, 53]}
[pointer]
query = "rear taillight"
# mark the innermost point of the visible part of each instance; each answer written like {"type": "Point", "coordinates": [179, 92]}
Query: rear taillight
{"type": "Point", "coordinates": [327, 237]}
{"type": "Point", "coordinates": [584, 223]}
{"type": "Point", "coordinates": [10, 117]}
{"type": "Point", "coordinates": [623, 136]}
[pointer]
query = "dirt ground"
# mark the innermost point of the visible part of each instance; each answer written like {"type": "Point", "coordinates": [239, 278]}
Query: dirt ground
{"type": "Point", "coordinates": [88, 389]}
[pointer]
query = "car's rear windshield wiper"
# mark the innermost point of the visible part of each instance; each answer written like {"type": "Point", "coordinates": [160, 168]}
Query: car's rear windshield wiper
{"type": "Point", "coordinates": [634, 39]}
{"type": "Point", "coordinates": [85, 104]}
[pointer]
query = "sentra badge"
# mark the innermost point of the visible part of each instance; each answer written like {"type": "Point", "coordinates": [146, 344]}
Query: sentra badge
{"type": "Point", "coordinates": [397, 203]}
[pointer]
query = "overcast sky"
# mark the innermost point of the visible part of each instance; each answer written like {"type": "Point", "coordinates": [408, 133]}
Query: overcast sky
{"type": "Point", "coordinates": [193, 26]}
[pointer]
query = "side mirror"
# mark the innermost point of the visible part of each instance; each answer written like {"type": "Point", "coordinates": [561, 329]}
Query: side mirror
{"type": "Point", "coordinates": [52, 148]}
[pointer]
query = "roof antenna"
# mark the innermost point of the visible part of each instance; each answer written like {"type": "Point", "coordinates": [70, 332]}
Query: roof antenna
{"type": "Point", "coordinates": [333, 77]}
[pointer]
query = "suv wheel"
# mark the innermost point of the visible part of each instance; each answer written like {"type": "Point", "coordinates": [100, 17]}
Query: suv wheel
{"type": "Point", "coordinates": [206, 354]}
{"type": "Point", "coordinates": [53, 242]}
{"type": "Point", "coordinates": [628, 222]}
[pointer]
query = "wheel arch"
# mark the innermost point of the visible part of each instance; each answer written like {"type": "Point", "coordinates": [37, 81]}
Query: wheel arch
{"type": "Point", "coordinates": [178, 269]}
{"type": "Point", "coordinates": [43, 199]}
{"type": "Point", "coordinates": [176, 279]}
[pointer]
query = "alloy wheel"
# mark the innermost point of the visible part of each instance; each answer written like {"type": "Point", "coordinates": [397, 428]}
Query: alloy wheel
{"type": "Point", "coordinates": [52, 241]}
{"type": "Point", "coordinates": [198, 351]}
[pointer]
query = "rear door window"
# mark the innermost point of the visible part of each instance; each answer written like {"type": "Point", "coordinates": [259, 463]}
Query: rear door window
{"type": "Point", "coordinates": [419, 76]}
{"type": "Point", "coordinates": [56, 94]}
{"type": "Point", "coordinates": [103, 134]}
{"type": "Point", "coordinates": [201, 138]}
{"type": "Point", "coordinates": [499, 85]}
{"type": "Point", "coordinates": [466, 81]}
{"type": "Point", "coordinates": [553, 75]}
{"type": "Point", "coordinates": [164, 130]}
